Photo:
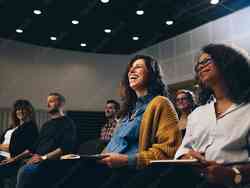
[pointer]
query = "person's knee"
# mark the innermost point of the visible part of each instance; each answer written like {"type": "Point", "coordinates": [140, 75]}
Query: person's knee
{"type": "Point", "coordinates": [26, 172]}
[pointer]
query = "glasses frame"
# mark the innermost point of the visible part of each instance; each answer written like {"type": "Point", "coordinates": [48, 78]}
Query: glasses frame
{"type": "Point", "coordinates": [205, 62]}
{"type": "Point", "coordinates": [181, 99]}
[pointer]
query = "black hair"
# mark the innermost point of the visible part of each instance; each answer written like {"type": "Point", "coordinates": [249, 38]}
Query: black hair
{"type": "Point", "coordinates": [116, 104]}
{"type": "Point", "coordinates": [22, 104]}
{"type": "Point", "coordinates": [234, 68]}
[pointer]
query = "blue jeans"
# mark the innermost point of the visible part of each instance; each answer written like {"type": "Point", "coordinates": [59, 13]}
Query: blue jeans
{"type": "Point", "coordinates": [26, 175]}
{"type": "Point", "coordinates": [44, 174]}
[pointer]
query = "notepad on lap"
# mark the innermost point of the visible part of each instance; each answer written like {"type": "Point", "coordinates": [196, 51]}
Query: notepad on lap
{"type": "Point", "coordinates": [175, 162]}
{"type": "Point", "coordinates": [75, 156]}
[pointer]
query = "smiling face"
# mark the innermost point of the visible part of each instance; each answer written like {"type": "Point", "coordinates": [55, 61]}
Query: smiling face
{"type": "Point", "coordinates": [138, 75]}
{"type": "Point", "coordinates": [206, 69]}
{"type": "Point", "coordinates": [21, 114]}
{"type": "Point", "coordinates": [182, 102]}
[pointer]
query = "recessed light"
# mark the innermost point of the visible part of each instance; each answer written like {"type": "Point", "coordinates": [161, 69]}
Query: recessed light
{"type": "Point", "coordinates": [107, 30]}
{"type": "Point", "coordinates": [214, 2]}
{"type": "Point", "coordinates": [52, 38]}
{"type": "Point", "coordinates": [75, 22]}
{"type": "Point", "coordinates": [140, 12]}
{"type": "Point", "coordinates": [135, 38]}
{"type": "Point", "coordinates": [19, 30]}
{"type": "Point", "coordinates": [169, 22]}
{"type": "Point", "coordinates": [37, 12]}
{"type": "Point", "coordinates": [83, 44]}
{"type": "Point", "coordinates": [105, 1]}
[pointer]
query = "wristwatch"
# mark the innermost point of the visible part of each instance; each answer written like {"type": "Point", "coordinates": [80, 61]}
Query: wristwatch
{"type": "Point", "coordinates": [44, 157]}
{"type": "Point", "coordinates": [238, 176]}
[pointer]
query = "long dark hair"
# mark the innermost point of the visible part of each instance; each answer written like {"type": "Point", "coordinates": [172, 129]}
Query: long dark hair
{"type": "Point", "coordinates": [155, 84]}
{"type": "Point", "coordinates": [234, 68]}
{"type": "Point", "coordinates": [22, 104]}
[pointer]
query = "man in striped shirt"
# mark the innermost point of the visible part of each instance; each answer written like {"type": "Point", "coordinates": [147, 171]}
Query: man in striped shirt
{"type": "Point", "coordinates": [111, 109]}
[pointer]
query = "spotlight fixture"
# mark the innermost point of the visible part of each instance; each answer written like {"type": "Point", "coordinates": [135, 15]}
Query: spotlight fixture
{"type": "Point", "coordinates": [140, 12]}
{"type": "Point", "coordinates": [75, 22]}
{"type": "Point", "coordinates": [105, 1]}
{"type": "Point", "coordinates": [53, 38]}
{"type": "Point", "coordinates": [107, 30]}
{"type": "Point", "coordinates": [19, 30]}
{"type": "Point", "coordinates": [169, 22]}
{"type": "Point", "coordinates": [214, 2]}
{"type": "Point", "coordinates": [135, 38]}
{"type": "Point", "coordinates": [83, 44]}
{"type": "Point", "coordinates": [37, 12]}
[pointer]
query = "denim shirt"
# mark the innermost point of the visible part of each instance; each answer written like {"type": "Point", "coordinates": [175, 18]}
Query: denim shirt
{"type": "Point", "coordinates": [125, 139]}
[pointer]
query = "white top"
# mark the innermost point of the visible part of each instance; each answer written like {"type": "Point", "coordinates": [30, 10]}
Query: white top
{"type": "Point", "coordinates": [7, 138]}
{"type": "Point", "coordinates": [225, 139]}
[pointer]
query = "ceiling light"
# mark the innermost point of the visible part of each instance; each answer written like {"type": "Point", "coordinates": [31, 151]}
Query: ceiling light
{"type": "Point", "coordinates": [83, 44]}
{"type": "Point", "coordinates": [214, 2]}
{"type": "Point", "coordinates": [52, 38]}
{"type": "Point", "coordinates": [105, 1]}
{"type": "Point", "coordinates": [75, 22]}
{"type": "Point", "coordinates": [169, 22]}
{"type": "Point", "coordinates": [37, 12]}
{"type": "Point", "coordinates": [107, 30]}
{"type": "Point", "coordinates": [135, 38]}
{"type": "Point", "coordinates": [19, 30]}
{"type": "Point", "coordinates": [139, 12]}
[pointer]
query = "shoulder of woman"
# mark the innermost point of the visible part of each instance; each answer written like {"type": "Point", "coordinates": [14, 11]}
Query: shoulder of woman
{"type": "Point", "coordinates": [161, 100]}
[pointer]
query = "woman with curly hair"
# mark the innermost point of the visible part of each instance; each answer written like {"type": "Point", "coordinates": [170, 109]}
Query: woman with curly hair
{"type": "Point", "coordinates": [218, 131]}
{"type": "Point", "coordinates": [147, 131]}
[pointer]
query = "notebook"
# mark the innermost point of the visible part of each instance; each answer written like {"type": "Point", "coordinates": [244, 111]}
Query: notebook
{"type": "Point", "coordinates": [76, 156]}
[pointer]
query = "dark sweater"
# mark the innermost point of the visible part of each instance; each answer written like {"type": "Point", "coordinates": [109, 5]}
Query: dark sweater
{"type": "Point", "coordinates": [23, 138]}
{"type": "Point", "coordinates": [56, 133]}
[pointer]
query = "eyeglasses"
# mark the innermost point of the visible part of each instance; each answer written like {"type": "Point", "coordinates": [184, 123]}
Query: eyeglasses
{"type": "Point", "coordinates": [181, 99]}
{"type": "Point", "coordinates": [205, 62]}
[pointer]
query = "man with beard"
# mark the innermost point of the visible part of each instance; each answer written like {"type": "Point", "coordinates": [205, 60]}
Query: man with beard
{"type": "Point", "coordinates": [57, 137]}
{"type": "Point", "coordinates": [94, 146]}
{"type": "Point", "coordinates": [111, 109]}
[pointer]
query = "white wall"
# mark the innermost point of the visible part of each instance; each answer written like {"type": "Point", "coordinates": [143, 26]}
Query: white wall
{"type": "Point", "coordinates": [86, 80]}
{"type": "Point", "coordinates": [177, 54]}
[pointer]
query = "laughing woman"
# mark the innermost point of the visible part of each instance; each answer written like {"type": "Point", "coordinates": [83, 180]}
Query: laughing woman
{"type": "Point", "coordinates": [148, 128]}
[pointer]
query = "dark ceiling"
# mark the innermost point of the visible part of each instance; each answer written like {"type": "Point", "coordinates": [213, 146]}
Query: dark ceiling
{"type": "Point", "coordinates": [94, 17]}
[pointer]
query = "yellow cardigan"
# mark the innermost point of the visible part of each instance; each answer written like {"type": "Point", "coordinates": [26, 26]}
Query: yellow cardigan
{"type": "Point", "coordinates": [159, 136]}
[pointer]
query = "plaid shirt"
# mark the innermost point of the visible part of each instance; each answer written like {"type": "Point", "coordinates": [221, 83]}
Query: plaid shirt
{"type": "Point", "coordinates": [107, 130]}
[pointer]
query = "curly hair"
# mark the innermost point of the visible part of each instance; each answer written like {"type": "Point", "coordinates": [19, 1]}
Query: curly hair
{"type": "Point", "coordinates": [22, 104]}
{"type": "Point", "coordinates": [234, 68]}
{"type": "Point", "coordinates": [155, 84]}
